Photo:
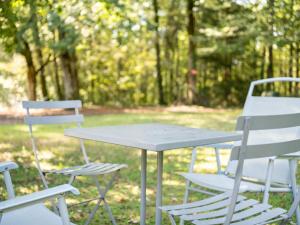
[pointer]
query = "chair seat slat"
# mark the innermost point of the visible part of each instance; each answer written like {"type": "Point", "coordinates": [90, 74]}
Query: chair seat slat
{"type": "Point", "coordinates": [263, 218]}
{"type": "Point", "coordinates": [222, 212]}
{"type": "Point", "coordinates": [259, 219]}
{"type": "Point", "coordinates": [214, 206]}
{"type": "Point", "coordinates": [111, 170]}
{"type": "Point", "coordinates": [89, 169]}
{"type": "Point", "coordinates": [197, 203]}
{"type": "Point", "coordinates": [95, 169]}
{"type": "Point", "coordinates": [246, 212]}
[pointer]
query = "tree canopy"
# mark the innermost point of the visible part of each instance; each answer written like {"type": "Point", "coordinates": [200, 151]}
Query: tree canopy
{"type": "Point", "coordinates": [128, 53]}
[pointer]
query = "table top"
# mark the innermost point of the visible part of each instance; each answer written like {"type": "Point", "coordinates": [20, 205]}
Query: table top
{"type": "Point", "coordinates": [153, 136]}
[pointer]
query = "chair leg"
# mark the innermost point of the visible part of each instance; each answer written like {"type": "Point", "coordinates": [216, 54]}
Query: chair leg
{"type": "Point", "coordinates": [101, 197]}
{"type": "Point", "coordinates": [108, 209]}
{"type": "Point", "coordinates": [268, 181]}
{"type": "Point", "coordinates": [102, 194]}
{"type": "Point", "coordinates": [92, 214]}
{"type": "Point", "coordinates": [172, 219]}
{"type": "Point", "coordinates": [185, 198]}
{"type": "Point", "coordinates": [292, 164]}
{"type": "Point", "coordinates": [188, 183]}
{"type": "Point", "coordinates": [218, 160]}
{"type": "Point", "coordinates": [63, 211]}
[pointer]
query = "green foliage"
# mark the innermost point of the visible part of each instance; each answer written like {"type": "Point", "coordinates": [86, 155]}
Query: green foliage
{"type": "Point", "coordinates": [68, 35]}
{"type": "Point", "coordinates": [113, 44]}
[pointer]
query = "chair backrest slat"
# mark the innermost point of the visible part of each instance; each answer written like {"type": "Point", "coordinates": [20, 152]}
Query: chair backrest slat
{"type": "Point", "coordinates": [33, 120]}
{"type": "Point", "coordinates": [52, 104]}
{"type": "Point", "coordinates": [267, 150]}
{"type": "Point", "coordinates": [270, 122]}
{"type": "Point", "coordinates": [261, 105]}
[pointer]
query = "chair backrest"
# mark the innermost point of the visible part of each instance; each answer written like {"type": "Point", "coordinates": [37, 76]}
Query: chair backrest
{"type": "Point", "coordinates": [247, 150]}
{"type": "Point", "coordinates": [32, 120]}
{"type": "Point", "coordinates": [260, 105]}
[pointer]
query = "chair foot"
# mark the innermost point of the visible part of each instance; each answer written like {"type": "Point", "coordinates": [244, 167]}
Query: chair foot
{"type": "Point", "coordinates": [92, 214]}
{"type": "Point", "coordinates": [108, 209]}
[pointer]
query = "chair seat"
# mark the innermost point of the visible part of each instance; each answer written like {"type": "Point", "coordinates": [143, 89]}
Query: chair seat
{"type": "Point", "coordinates": [90, 169]}
{"type": "Point", "coordinates": [213, 210]}
{"type": "Point", "coordinates": [221, 182]}
{"type": "Point", "coordinates": [31, 215]}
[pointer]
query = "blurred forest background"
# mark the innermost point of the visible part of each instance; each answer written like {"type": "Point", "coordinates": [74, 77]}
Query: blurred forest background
{"type": "Point", "coordinates": [146, 52]}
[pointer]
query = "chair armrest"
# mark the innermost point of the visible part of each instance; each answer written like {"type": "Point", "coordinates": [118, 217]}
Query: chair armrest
{"type": "Point", "coordinates": [36, 197]}
{"type": "Point", "coordinates": [5, 166]}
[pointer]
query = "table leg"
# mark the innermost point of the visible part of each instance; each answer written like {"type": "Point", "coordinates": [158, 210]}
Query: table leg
{"type": "Point", "coordinates": [158, 216]}
{"type": "Point", "coordinates": [143, 186]}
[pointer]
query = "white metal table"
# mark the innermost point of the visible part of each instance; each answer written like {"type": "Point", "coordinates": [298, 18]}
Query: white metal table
{"type": "Point", "coordinates": [153, 137]}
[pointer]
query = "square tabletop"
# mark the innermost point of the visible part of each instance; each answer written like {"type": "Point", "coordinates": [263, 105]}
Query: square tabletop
{"type": "Point", "coordinates": [153, 136]}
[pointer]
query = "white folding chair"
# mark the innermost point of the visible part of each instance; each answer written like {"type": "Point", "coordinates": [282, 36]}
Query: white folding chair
{"type": "Point", "coordinates": [268, 174]}
{"type": "Point", "coordinates": [230, 207]}
{"type": "Point", "coordinates": [93, 170]}
{"type": "Point", "coordinates": [30, 209]}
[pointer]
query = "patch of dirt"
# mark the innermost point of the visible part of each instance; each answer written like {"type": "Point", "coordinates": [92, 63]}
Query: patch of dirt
{"type": "Point", "coordinates": [13, 116]}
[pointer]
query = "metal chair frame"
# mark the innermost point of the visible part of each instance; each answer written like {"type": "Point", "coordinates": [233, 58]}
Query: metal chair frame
{"type": "Point", "coordinates": [64, 119]}
{"type": "Point", "coordinates": [14, 203]}
{"type": "Point", "coordinates": [230, 207]}
{"type": "Point", "coordinates": [292, 160]}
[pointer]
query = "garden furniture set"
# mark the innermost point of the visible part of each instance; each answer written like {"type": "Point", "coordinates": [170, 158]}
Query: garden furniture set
{"type": "Point", "coordinates": [263, 158]}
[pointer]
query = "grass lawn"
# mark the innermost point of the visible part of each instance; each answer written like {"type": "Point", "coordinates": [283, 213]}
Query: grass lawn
{"type": "Point", "coordinates": [58, 151]}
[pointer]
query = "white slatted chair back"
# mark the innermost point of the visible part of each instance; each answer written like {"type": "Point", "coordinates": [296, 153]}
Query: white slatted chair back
{"type": "Point", "coordinates": [31, 120]}
{"type": "Point", "coordinates": [60, 119]}
{"type": "Point", "coordinates": [284, 145]}
{"type": "Point", "coordinates": [260, 105]}
{"type": "Point", "coordinates": [246, 150]}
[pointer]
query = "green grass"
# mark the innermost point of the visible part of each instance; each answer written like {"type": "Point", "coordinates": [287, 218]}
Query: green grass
{"type": "Point", "coordinates": [58, 151]}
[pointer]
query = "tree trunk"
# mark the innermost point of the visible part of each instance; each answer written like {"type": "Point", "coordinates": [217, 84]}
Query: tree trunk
{"type": "Point", "coordinates": [297, 59]}
{"type": "Point", "coordinates": [58, 87]}
{"type": "Point", "coordinates": [178, 93]}
{"type": "Point", "coordinates": [262, 67]}
{"type": "Point", "coordinates": [42, 75]}
{"type": "Point", "coordinates": [297, 67]}
{"type": "Point", "coordinates": [69, 66]}
{"type": "Point", "coordinates": [31, 72]}
{"type": "Point", "coordinates": [291, 66]}
{"type": "Point", "coordinates": [161, 98]}
{"type": "Point", "coordinates": [37, 40]}
{"type": "Point", "coordinates": [192, 72]}
{"type": "Point", "coordinates": [171, 39]}
{"type": "Point", "coordinates": [263, 61]}
{"type": "Point", "coordinates": [227, 82]}
{"type": "Point", "coordinates": [291, 59]}
{"type": "Point", "coordinates": [270, 72]}
{"type": "Point", "coordinates": [56, 80]}
{"type": "Point", "coordinates": [170, 62]}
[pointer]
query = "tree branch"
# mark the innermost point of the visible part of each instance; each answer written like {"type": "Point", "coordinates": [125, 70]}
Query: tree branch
{"type": "Point", "coordinates": [44, 64]}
